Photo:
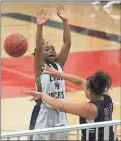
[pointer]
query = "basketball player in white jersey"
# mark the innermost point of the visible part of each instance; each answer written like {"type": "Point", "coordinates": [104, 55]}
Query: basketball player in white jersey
{"type": "Point", "coordinates": [44, 116]}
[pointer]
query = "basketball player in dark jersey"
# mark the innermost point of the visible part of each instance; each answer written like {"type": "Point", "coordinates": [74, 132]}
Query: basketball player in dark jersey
{"type": "Point", "coordinates": [44, 116]}
{"type": "Point", "coordinates": [99, 108]}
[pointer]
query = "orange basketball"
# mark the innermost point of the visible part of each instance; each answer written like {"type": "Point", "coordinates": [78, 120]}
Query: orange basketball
{"type": "Point", "coordinates": [16, 45]}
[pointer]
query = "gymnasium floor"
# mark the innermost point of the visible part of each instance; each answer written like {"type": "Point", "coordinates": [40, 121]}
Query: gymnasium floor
{"type": "Point", "coordinates": [95, 45]}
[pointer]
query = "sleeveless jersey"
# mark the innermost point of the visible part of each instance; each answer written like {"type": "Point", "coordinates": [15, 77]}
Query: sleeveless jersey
{"type": "Point", "coordinates": [105, 109]}
{"type": "Point", "coordinates": [51, 86]}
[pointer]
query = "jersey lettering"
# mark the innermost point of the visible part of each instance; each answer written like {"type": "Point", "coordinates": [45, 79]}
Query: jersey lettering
{"type": "Point", "coordinates": [53, 86]}
{"type": "Point", "coordinates": [54, 78]}
{"type": "Point", "coordinates": [58, 95]}
{"type": "Point", "coordinates": [56, 85]}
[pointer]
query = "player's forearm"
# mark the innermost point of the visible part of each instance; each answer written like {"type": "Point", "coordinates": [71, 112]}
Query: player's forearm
{"type": "Point", "coordinates": [72, 78]}
{"type": "Point", "coordinates": [55, 103]}
{"type": "Point", "coordinates": [66, 33]}
{"type": "Point", "coordinates": [39, 38]}
{"type": "Point", "coordinates": [39, 53]}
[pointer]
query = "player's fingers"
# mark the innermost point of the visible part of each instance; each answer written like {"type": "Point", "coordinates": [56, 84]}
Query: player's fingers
{"type": "Point", "coordinates": [62, 6]}
{"type": "Point", "coordinates": [26, 91]}
{"type": "Point", "coordinates": [32, 99]}
{"type": "Point", "coordinates": [65, 7]}
{"type": "Point", "coordinates": [50, 65]}
{"type": "Point", "coordinates": [31, 93]}
{"type": "Point", "coordinates": [45, 12]}
{"type": "Point", "coordinates": [46, 72]}
{"type": "Point", "coordinates": [58, 13]}
{"type": "Point", "coordinates": [58, 8]}
{"type": "Point", "coordinates": [46, 66]}
{"type": "Point", "coordinates": [42, 11]}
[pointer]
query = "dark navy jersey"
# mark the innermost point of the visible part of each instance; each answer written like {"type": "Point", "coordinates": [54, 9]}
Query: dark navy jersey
{"type": "Point", "coordinates": [105, 109]}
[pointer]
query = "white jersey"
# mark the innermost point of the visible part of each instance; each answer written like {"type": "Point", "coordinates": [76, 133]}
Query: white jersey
{"type": "Point", "coordinates": [51, 86]}
{"type": "Point", "coordinates": [46, 116]}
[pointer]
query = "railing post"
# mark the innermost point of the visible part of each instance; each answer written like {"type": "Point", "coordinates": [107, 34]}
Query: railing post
{"type": "Point", "coordinates": [87, 134]}
{"type": "Point", "coordinates": [106, 133]}
{"type": "Point", "coordinates": [115, 131]}
{"type": "Point", "coordinates": [8, 139]}
{"type": "Point", "coordinates": [68, 135]}
{"type": "Point", "coordinates": [18, 138]}
{"type": "Point", "coordinates": [97, 133]}
{"type": "Point", "coordinates": [77, 134]}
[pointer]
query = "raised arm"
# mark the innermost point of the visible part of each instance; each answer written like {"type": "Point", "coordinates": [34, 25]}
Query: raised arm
{"type": "Point", "coordinates": [63, 55]}
{"type": "Point", "coordinates": [39, 52]}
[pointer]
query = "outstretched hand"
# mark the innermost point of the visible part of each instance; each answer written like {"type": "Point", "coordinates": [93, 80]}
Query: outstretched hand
{"type": "Point", "coordinates": [42, 17]}
{"type": "Point", "coordinates": [50, 70]}
{"type": "Point", "coordinates": [34, 94]}
{"type": "Point", "coordinates": [62, 12]}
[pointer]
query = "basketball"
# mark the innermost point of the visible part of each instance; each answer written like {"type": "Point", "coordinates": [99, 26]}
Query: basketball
{"type": "Point", "coordinates": [16, 45]}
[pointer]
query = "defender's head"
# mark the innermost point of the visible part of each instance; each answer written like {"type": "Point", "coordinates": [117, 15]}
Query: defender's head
{"type": "Point", "coordinates": [97, 84]}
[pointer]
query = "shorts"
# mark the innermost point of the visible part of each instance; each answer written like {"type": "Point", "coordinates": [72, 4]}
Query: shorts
{"type": "Point", "coordinates": [46, 117]}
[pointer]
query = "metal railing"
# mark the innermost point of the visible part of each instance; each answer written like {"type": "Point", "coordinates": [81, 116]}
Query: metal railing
{"type": "Point", "coordinates": [77, 128]}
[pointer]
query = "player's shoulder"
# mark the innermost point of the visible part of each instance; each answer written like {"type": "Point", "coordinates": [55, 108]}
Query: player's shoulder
{"type": "Point", "coordinates": [58, 65]}
{"type": "Point", "coordinates": [38, 79]}
{"type": "Point", "coordinates": [38, 84]}
{"type": "Point", "coordinates": [107, 98]}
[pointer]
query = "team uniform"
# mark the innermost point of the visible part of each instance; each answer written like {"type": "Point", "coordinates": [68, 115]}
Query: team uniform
{"type": "Point", "coordinates": [44, 116]}
{"type": "Point", "coordinates": [105, 109]}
